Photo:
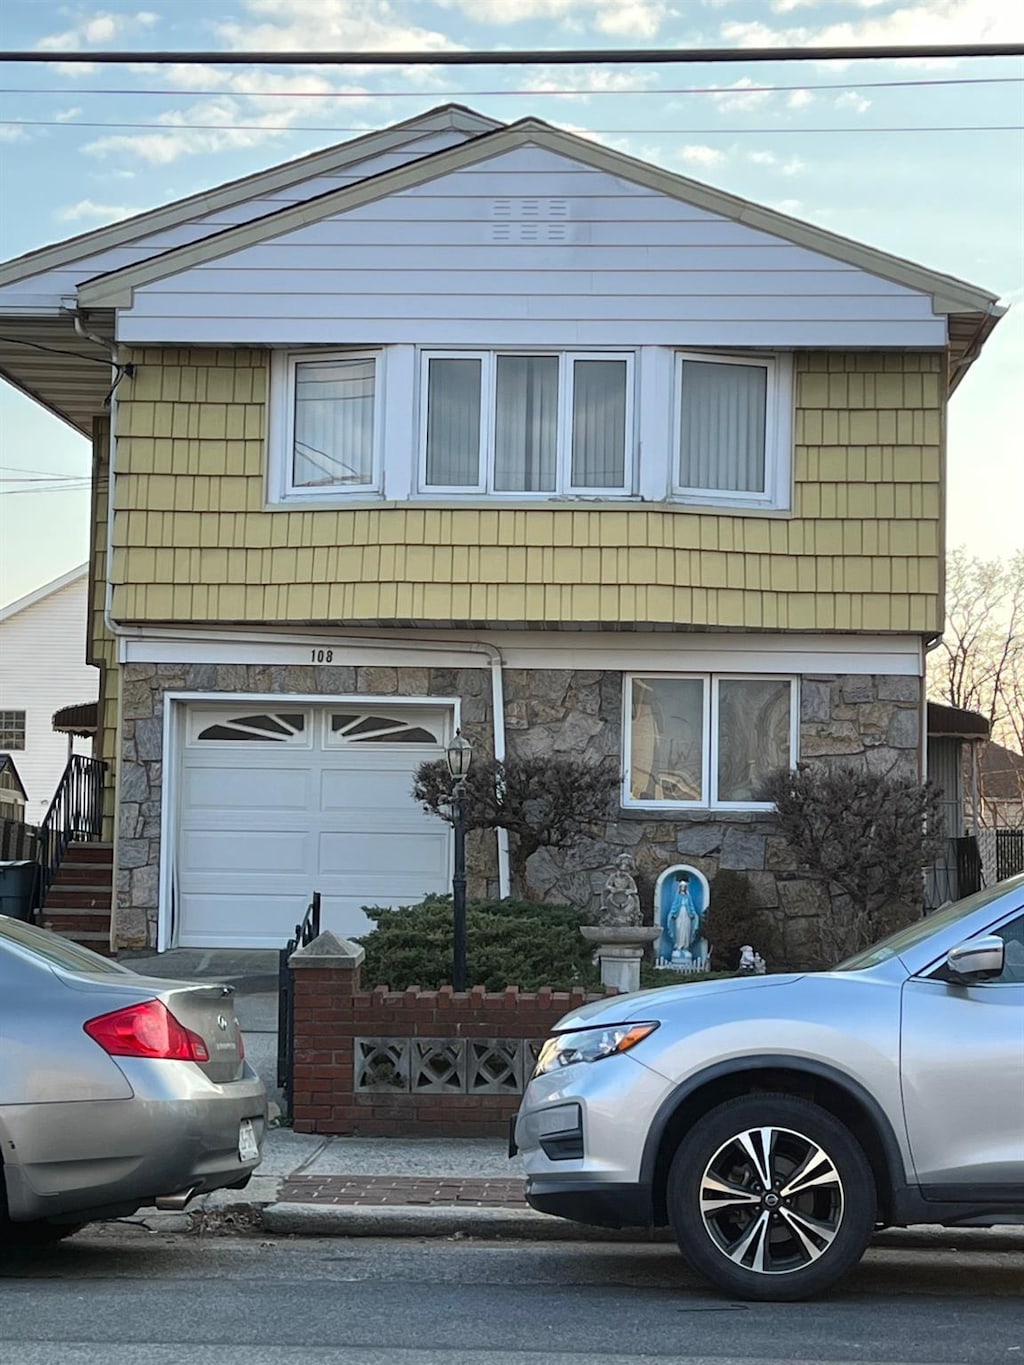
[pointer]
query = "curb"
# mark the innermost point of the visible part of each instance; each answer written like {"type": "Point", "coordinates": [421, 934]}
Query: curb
{"type": "Point", "coordinates": [400, 1220]}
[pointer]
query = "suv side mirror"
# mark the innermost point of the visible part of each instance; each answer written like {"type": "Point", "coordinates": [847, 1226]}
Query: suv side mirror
{"type": "Point", "coordinates": [979, 959]}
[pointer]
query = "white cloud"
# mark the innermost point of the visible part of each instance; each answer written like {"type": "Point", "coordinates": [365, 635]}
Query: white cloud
{"type": "Point", "coordinates": [96, 29]}
{"type": "Point", "coordinates": [621, 18]}
{"type": "Point", "coordinates": [791, 165]}
{"type": "Point", "coordinates": [696, 154]}
{"type": "Point", "coordinates": [739, 97]}
{"type": "Point", "coordinates": [88, 211]}
{"type": "Point", "coordinates": [596, 80]}
{"type": "Point", "coordinates": [11, 132]}
{"type": "Point", "coordinates": [278, 25]}
{"type": "Point", "coordinates": [850, 99]}
{"type": "Point", "coordinates": [799, 99]}
{"type": "Point", "coordinates": [924, 22]}
{"type": "Point", "coordinates": [66, 115]}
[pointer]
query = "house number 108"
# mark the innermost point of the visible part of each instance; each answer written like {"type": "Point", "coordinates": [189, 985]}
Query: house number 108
{"type": "Point", "coordinates": [322, 656]}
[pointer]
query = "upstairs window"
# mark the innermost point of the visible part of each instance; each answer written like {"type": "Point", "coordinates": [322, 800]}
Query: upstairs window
{"type": "Point", "coordinates": [706, 739]}
{"type": "Point", "coordinates": [732, 429]}
{"type": "Point", "coordinates": [520, 424]}
{"type": "Point", "coordinates": [12, 731]}
{"type": "Point", "coordinates": [330, 432]}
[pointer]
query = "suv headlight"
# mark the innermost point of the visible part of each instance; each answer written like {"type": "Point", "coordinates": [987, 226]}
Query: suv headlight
{"type": "Point", "coordinates": [590, 1044]}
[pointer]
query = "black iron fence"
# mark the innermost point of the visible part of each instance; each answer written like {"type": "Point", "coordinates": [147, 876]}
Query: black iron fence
{"type": "Point", "coordinates": [76, 812]}
{"type": "Point", "coordinates": [305, 933]}
{"type": "Point", "coordinates": [1009, 852]}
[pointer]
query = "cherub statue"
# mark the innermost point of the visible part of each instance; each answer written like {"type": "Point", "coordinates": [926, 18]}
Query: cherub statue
{"type": "Point", "coordinates": [620, 902]}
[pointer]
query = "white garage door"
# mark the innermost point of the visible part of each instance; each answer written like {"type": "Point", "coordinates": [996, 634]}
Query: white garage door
{"type": "Point", "coordinates": [278, 802]}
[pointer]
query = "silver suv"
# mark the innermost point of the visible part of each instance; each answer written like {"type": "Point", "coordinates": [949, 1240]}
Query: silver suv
{"type": "Point", "coordinates": [776, 1121]}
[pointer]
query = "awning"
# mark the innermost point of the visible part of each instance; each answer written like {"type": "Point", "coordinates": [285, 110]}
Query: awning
{"type": "Point", "coordinates": [81, 720]}
{"type": "Point", "coordinates": [951, 723]}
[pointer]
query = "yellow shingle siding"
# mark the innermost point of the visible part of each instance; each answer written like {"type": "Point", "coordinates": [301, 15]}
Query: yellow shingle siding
{"type": "Point", "coordinates": [194, 541]}
{"type": "Point", "coordinates": [101, 647]}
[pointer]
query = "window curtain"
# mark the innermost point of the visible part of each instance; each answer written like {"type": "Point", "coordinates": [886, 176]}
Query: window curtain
{"type": "Point", "coordinates": [599, 424]}
{"type": "Point", "coordinates": [667, 739]}
{"type": "Point", "coordinates": [754, 734]}
{"type": "Point", "coordinates": [333, 440]}
{"type": "Point", "coordinates": [526, 424]}
{"type": "Point", "coordinates": [722, 427]}
{"type": "Point", "coordinates": [453, 423]}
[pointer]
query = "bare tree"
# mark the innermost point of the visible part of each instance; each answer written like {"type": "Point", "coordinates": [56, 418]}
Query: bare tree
{"type": "Point", "coordinates": [868, 837]}
{"type": "Point", "coordinates": [979, 663]}
{"type": "Point", "coordinates": [544, 802]}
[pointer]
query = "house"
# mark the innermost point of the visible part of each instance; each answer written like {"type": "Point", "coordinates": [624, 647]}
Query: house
{"type": "Point", "coordinates": [43, 668]}
{"type": "Point", "coordinates": [465, 425]}
{"type": "Point", "coordinates": [13, 796]}
{"type": "Point", "coordinates": [1001, 787]}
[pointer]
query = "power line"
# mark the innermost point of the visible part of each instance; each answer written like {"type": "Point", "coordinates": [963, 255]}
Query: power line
{"type": "Point", "coordinates": [529, 57]}
{"type": "Point", "coordinates": [666, 132]}
{"type": "Point", "coordinates": [66, 91]}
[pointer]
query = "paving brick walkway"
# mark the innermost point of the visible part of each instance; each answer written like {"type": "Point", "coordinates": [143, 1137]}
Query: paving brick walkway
{"type": "Point", "coordinates": [403, 1190]}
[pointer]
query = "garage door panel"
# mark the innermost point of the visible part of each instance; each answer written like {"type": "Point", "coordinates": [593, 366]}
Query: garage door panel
{"type": "Point", "coordinates": [343, 790]}
{"type": "Point", "coordinates": [246, 851]}
{"type": "Point", "coordinates": [253, 788]}
{"type": "Point", "coordinates": [351, 853]}
{"type": "Point", "coordinates": [224, 920]}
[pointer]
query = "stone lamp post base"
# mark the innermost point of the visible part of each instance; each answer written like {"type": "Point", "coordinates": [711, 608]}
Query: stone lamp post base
{"type": "Point", "coordinates": [619, 950]}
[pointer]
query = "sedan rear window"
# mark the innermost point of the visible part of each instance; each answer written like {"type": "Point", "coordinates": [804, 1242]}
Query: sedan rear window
{"type": "Point", "coordinates": [56, 951]}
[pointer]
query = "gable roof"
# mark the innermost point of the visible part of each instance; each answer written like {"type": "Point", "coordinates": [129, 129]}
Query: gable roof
{"type": "Point", "coordinates": [47, 590]}
{"type": "Point", "coordinates": [278, 177]}
{"type": "Point", "coordinates": [9, 770]}
{"type": "Point", "coordinates": [949, 295]}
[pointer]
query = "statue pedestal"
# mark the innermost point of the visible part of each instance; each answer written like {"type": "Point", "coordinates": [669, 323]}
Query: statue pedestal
{"type": "Point", "coordinates": [619, 950]}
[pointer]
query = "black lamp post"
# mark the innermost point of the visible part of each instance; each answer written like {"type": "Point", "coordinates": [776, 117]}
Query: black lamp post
{"type": "Point", "coordinates": [459, 755]}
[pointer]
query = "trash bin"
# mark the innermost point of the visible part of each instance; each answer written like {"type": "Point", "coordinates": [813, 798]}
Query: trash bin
{"type": "Point", "coordinates": [17, 888]}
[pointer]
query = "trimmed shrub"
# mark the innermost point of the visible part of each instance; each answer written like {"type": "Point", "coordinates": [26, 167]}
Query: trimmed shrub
{"type": "Point", "coordinates": [508, 943]}
{"type": "Point", "coordinates": [734, 920]}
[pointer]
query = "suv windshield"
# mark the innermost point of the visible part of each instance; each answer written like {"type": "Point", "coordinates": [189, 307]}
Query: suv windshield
{"type": "Point", "coordinates": [920, 930]}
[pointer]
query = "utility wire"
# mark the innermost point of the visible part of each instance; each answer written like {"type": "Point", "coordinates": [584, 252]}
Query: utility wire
{"type": "Point", "coordinates": [528, 57]}
{"type": "Point", "coordinates": [53, 350]}
{"type": "Point", "coordinates": [666, 132]}
{"type": "Point", "coordinates": [65, 91]}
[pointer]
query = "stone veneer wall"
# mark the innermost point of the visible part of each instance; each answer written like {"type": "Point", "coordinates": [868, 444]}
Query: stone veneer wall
{"type": "Point", "coordinates": [864, 720]}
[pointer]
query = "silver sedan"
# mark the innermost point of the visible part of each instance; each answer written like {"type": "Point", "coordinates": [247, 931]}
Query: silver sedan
{"type": "Point", "coordinates": [116, 1090]}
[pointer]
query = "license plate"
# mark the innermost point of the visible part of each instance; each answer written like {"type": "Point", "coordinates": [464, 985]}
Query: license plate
{"type": "Point", "coordinates": [248, 1147]}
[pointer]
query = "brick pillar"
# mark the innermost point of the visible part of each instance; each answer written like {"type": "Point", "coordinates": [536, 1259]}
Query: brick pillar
{"type": "Point", "coordinates": [327, 979]}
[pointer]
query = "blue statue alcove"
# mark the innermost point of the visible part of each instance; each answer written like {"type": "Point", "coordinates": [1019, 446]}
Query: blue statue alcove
{"type": "Point", "coordinates": [681, 897]}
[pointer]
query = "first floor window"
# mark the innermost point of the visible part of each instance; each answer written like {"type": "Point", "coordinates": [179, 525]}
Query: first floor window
{"type": "Point", "coordinates": [12, 730]}
{"type": "Point", "coordinates": [527, 423]}
{"type": "Point", "coordinates": [706, 739]}
{"type": "Point", "coordinates": [333, 422]}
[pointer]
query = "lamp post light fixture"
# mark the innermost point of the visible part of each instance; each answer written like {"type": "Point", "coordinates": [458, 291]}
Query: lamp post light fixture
{"type": "Point", "coordinates": [459, 755]}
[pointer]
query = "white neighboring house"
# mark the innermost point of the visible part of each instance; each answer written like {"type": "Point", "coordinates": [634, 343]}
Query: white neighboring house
{"type": "Point", "coordinates": [42, 669]}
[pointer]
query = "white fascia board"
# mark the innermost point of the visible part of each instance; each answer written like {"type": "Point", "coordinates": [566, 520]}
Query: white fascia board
{"type": "Point", "coordinates": [248, 187]}
{"type": "Point", "coordinates": [38, 594]}
{"type": "Point", "coordinates": [115, 289]}
{"type": "Point", "coordinates": [653, 651]}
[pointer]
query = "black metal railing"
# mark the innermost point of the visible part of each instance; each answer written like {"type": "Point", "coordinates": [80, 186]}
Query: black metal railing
{"type": "Point", "coordinates": [305, 933]}
{"type": "Point", "coordinates": [956, 873]}
{"type": "Point", "coordinates": [1009, 853]}
{"type": "Point", "coordinates": [75, 814]}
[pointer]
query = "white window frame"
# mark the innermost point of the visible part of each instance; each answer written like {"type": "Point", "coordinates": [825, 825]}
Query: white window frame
{"type": "Point", "coordinates": [778, 431]}
{"type": "Point", "coordinates": [281, 428]}
{"type": "Point", "coordinates": [564, 488]}
{"type": "Point", "coordinates": [709, 746]}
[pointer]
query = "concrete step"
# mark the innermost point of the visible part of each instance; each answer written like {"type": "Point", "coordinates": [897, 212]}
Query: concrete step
{"type": "Point", "coordinates": [84, 874]}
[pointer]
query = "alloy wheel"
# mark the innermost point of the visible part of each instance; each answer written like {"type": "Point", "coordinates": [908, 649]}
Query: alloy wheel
{"type": "Point", "coordinates": [772, 1200]}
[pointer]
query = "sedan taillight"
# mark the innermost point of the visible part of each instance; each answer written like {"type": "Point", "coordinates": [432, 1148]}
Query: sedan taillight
{"type": "Point", "coordinates": [146, 1030]}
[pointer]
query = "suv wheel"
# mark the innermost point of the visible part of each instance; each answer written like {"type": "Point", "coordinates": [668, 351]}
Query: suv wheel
{"type": "Point", "coordinates": [771, 1197]}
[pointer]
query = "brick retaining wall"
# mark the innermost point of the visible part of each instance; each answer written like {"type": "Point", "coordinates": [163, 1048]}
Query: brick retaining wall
{"type": "Point", "coordinates": [344, 1083]}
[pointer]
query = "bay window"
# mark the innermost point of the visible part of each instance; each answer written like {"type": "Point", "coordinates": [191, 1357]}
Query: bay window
{"type": "Point", "coordinates": [706, 740]}
{"type": "Point", "coordinates": [540, 423]}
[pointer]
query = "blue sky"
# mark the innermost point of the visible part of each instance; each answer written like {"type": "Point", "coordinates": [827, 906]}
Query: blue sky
{"type": "Point", "coordinates": [950, 200]}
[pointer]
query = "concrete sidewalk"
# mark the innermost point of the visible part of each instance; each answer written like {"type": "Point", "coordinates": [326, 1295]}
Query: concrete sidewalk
{"type": "Point", "coordinates": [309, 1185]}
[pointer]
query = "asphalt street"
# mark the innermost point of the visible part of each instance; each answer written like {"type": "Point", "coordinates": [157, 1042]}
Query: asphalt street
{"type": "Point", "coordinates": [117, 1295]}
